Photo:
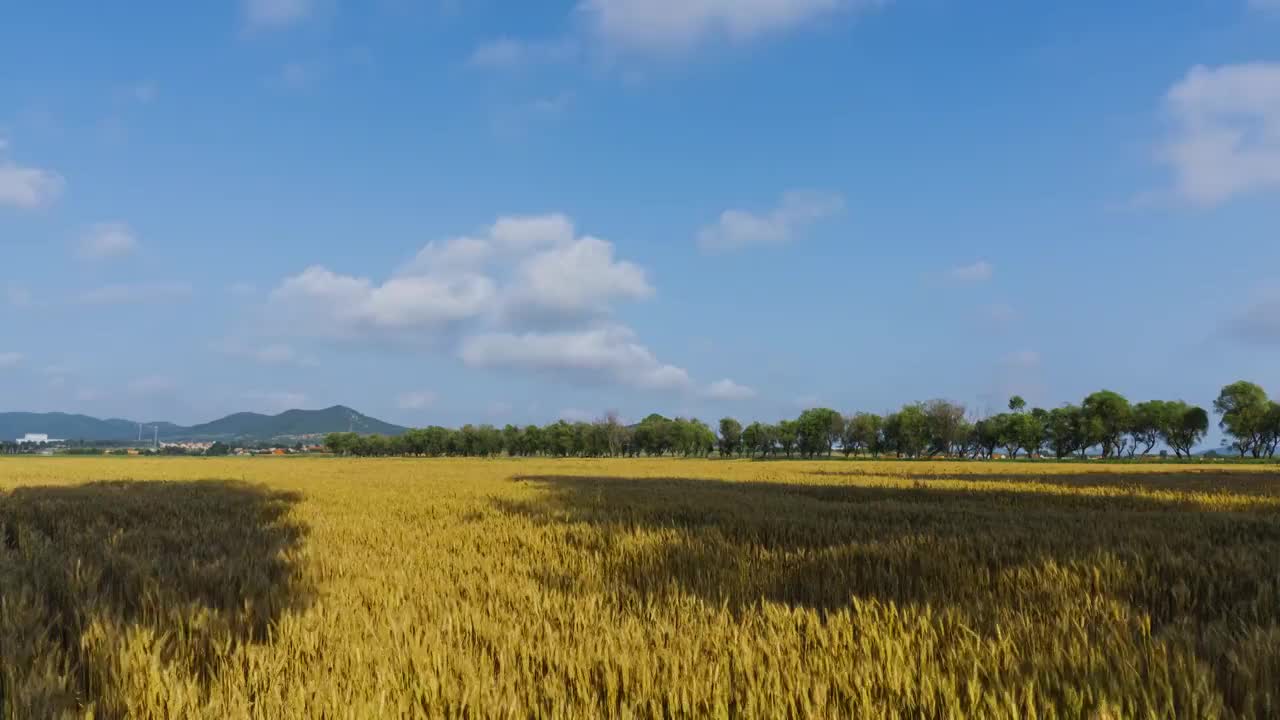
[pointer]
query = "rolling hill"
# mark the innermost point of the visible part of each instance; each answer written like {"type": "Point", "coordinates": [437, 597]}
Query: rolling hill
{"type": "Point", "coordinates": [240, 426]}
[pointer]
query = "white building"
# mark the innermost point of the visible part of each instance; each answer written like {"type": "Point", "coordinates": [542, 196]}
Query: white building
{"type": "Point", "coordinates": [35, 439]}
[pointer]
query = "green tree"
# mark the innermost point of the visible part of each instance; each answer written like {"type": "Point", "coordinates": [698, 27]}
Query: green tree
{"type": "Point", "coordinates": [817, 429]}
{"type": "Point", "coordinates": [1183, 426]}
{"type": "Point", "coordinates": [906, 432]}
{"type": "Point", "coordinates": [1148, 421]}
{"type": "Point", "coordinates": [1271, 428]}
{"type": "Point", "coordinates": [1244, 407]}
{"type": "Point", "coordinates": [1017, 404]}
{"type": "Point", "coordinates": [862, 434]}
{"type": "Point", "coordinates": [947, 426]}
{"type": "Point", "coordinates": [985, 437]}
{"type": "Point", "coordinates": [786, 435]}
{"type": "Point", "coordinates": [730, 436]}
{"type": "Point", "coordinates": [1108, 414]}
{"type": "Point", "coordinates": [1064, 431]}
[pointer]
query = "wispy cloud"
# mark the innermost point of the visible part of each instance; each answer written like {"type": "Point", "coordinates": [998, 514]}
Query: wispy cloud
{"type": "Point", "coordinates": [26, 187]}
{"type": "Point", "coordinates": [972, 274]}
{"type": "Point", "coordinates": [275, 14]}
{"type": "Point", "coordinates": [511, 53]}
{"type": "Point", "coordinates": [798, 210]}
{"type": "Point", "coordinates": [673, 26]}
{"type": "Point", "coordinates": [105, 241]}
{"type": "Point", "coordinates": [727, 389]}
{"type": "Point", "coordinates": [1226, 136]}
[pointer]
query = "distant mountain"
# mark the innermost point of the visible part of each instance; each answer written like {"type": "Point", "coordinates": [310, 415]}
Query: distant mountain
{"type": "Point", "coordinates": [291, 423]}
{"type": "Point", "coordinates": [240, 426]}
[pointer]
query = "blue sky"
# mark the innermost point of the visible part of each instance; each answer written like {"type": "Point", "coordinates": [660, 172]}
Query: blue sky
{"type": "Point", "coordinates": [441, 212]}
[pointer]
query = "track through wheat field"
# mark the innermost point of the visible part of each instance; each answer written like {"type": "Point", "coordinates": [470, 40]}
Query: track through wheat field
{"type": "Point", "coordinates": [303, 588]}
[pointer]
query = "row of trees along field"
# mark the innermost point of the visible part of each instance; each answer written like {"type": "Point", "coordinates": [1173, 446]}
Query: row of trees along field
{"type": "Point", "coordinates": [1105, 421]}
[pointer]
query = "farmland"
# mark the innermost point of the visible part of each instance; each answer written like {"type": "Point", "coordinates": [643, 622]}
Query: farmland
{"type": "Point", "coordinates": [291, 588]}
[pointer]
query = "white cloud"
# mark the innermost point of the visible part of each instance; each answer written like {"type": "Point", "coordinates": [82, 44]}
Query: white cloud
{"type": "Point", "coordinates": [674, 25]}
{"type": "Point", "coordinates": [129, 294]}
{"type": "Point", "coordinates": [577, 279]}
{"type": "Point", "coordinates": [335, 305]}
{"type": "Point", "coordinates": [525, 232]}
{"type": "Point", "coordinates": [269, 14]}
{"type": "Point", "coordinates": [27, 187]}
{"type": "Point", "coordinates": [10, 360]}
{"type": "Point", "coordinates": [798, 210]}
{"type": "Point", "coordinates": [1226, 139]}
{"type": "Point", "coordinates": [727, 389]}
{"type": "Point", "coordinates": [107, 240]}
{"type": "Point", "coordinates": [978, 272]}
{"type": "Point", "coordinates": [463, 253]}
{"type": "Point", "coordinates": [510, 53]}
{"type": "Point", "coordinates": [525, 293]}
{"type": "Point", "coordinates": [606, 354]}
{"type": "Point", "coordinates": [420, 400]}
{"type": "Point", "coordinates": [152, 385]}
{"type": "Point", "coordinates": [522, 271]}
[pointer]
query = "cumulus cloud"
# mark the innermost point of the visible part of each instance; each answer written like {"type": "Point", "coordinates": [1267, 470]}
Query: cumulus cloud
{"type": "Point", "coordinates": [1226, 136]}
{"type": "Point", "coordinates": [978, 272]}
{"type": "Point", "coordinates": [10, 360]}
{"type": "Point", "coordinates": [343, 306]}
{"type": "Point", "coordinates": [272, 14]}
{"type": "Point", "coordinates": [526, 232]}
{"type": "Point", "coordinates": [673, 25]}
{"type": "Point", "coordinates": [609, 354]}
{"type": "Point", "coordinates": [521, 271]}
{"type": "Point", "coordinates": [106, 241]}
{"type": "Point", "coordinates": [133, 294]}
{"type": "Point", "coordinates": [575, 279]}
{"type": "Point", "coordinates": [799, 209]}
{"type": "Point", "coordinates": [419, 400]}
{"type": "Point", "coordinates": [727, 389]}
{"type": "Point", "coordinates": [526, 293]}
{"type": "Point", "coordinates": [26, 187]}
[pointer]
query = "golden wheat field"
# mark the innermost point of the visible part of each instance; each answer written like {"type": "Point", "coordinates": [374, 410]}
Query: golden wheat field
{"type": "Point", "coordinates": [328, 588]}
